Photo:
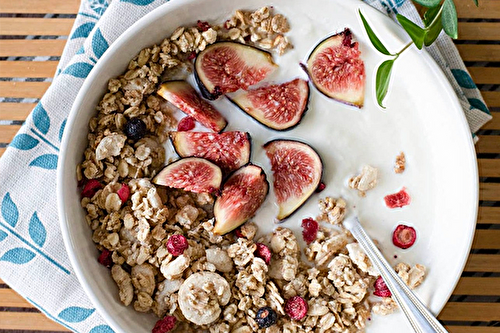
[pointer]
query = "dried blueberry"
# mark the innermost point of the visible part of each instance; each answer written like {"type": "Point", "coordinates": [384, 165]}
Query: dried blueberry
{"type": "Point", "coordinates": [266, 317]}
{"type": "Point", "coordinates": [135, 129]}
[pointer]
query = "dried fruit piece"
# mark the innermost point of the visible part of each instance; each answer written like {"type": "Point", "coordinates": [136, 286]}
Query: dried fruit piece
{"type": "Point", "coordinates": [135, 129]}
{"type": "Point", "coordinates": [297, 171]}
{"type": "Point", "coordinates": [227, 66]}
{"type": "Point", "coordinates": [278, 106]}
{"type": "Point", "coordinates": [321, 187]}
{"type": "Point", "coordinates": [381, 288]}
{"type": "Point", "coordinates": [310, 231]}
{"type": "Point", "coordinates": [91, 187]}
{"type": "Point", "coordinates": [229, 150]}
{"type": "Point", "coordinates": [164, 325]}
{"type": "Point", "coordinates": [336, 69]}
{"type": "Point", "coordinates": [242, 194]}
{"type": "Point", "coordinates": [266, 317]}
{"type": "Point", "coordinates": [191, 174]}
{"type": "Point", "coordinates": [177, 244]}
{"type": "Point", "coordinates": [106, 258]}
{"type": "Point", "coordinates": [203, 25]}
{"type": "Point", "coordinates": [186, 124]}
{"type": "Point", "coordinates": [296, 307]}
{"type": "Point", "coordinates": [404, 236]}
{"type": "Point", "coordinates": [398, 200]}
{"type": "Point", "coordinates": [183, 96]}
{"type": "Point", "coordinates": [124, 193]}
{"type": "Point", "coordinates": [263, 252]}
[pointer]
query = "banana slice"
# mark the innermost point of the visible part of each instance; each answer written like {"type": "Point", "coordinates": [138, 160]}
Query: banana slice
{"type": "Point", "coordinates": [202, 295]}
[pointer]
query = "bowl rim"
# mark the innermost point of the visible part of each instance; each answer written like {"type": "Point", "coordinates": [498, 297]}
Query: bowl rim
{"type": "Point", "coordinates": [141, 24]}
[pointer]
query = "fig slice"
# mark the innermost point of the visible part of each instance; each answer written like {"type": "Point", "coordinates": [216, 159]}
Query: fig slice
{"type": "Point", "coordinates": [192, 174]}
{"type": "Point", "coordinates": [297, 171]}
{"type": "Point", "coordinates": [228, 150]}
{"type": "Point", "coordinates": [228, 66]}
{"type": "Point", "coordinates": [242, 194]}
{"type": "Point", "coordinates": [183, 96]}
{"type": "Point", "coordinates": [336, 69]}
{"type": "Point", "coordinates": [278, 106]}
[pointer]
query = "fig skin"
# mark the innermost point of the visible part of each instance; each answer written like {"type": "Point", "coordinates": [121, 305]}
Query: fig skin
{"type": "Point", "coordinates": [280, 219]}
{"type": "Point", "coordinates": [225, 170]}
{"type": "Point", "coordinates": [217, 91]}
{"type": "Point", "coordinates": [223, 227]}
{"type": "Point", "coordinates": [268, 125]}
{"type": "Point", "coordinates": [346, 36]}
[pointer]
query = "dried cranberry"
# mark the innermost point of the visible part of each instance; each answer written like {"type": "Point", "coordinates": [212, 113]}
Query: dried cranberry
{"type": "Point", "coordinates": [310, 231]}
{"type": "Point", "coordinates": [398, 200]}
{"type": "Point", "coordinates": [266, 317]}
{"type": "Point", "coordinates": [263, 252]}
{"type": "Point", "coordinates": [192, 55]}
{"type": "Point", "coordinates": [320, 187]}
{"type": "Point", "coordinates": [296, 307]}
{"type": "Point", "coordinates": [135, 129]}
{"type": "Point", "coordinates": [227, 25]}
{"type": "Point", "coordinates": [381, 288]}
{"type": "Point", "coordinates": [165, 325]}
{"type": "Point", "coordinates": [177, 244]}
{"type": "Point", "coordinates": [106, 258]}
{"type": "Point", "coordinates": [404, 236]}
{"type": "Point", "coordinates": [203, 25]}
{"type": "Point", "coordinates": [238, 233]}
{"type": "Point", "coordinates": [124, 192]}
{"type": "Point", "coordinates": [186, 124]}
{"type": "Point", "coordinates": [90, 188]}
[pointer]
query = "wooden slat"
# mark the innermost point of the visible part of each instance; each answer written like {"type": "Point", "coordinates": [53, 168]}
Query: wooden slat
{"type": "Point", "coordinates": [489, 191]}
{"type": "Point", "coordinates": [15, 111]}
{"type": "Point", "coordinates": [487, 215]}
{"type": "Point", "coordinates": [23, 89]}
{"type": "Point", "coordinates": [31, 48]}
{"type": "Point", "coordinates": [492, 98]}
{"type": "Point", "coordinates": [483, 286]}
{"type": "Point", "coordinates": [472, 329]}
{"type": "Point", "coordinates": [479, 31]}
{"type": "Point", "coordinates": [488, 9]}
{"type": "Point", "coordinates": [9, 298]}
{"type": "Point", "coordinates": [493, 123]}
{"type": "Point", "coordinates": [489, 167]}
{"type": "Point", "coordinates": [486, 239]}
{"type": "Point", "coordinates": [40, 6]}
{"type": "Point", "coordinates": [485, 75]}
{"type": "Point", "coordinates": [28, 321]}
{"type": "Point", "coordinates": [479, 52]}
{"type": "Point", "coordinates": [483, 263]}
{"type": "Point", "coordinates": [470, 311]}
{"type": "Point", "coordinates": [28, 68]}
{"type": "Point", "coordinates": [7, 132]}
{"type": "Point", "coordinates": [1, 153]}
{"type": "Point", "coordinates": [22, 26]}
{"type": "Point", "coordinates": [488, 144]}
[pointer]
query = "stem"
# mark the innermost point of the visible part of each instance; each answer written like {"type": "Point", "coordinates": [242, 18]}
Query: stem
{"type": "Point", "coordinates": [435, 18]}
{"type": "Point", "coordinates": [404, 48]}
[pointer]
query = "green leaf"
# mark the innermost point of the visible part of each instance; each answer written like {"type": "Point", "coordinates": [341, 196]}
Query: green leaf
{"type": "Point", "coordinates": [428, 3]}
{"type": "Point", "coordinates": [373, 38]}
{"type": "Point", "coordinates": [434, 30]}
{"type": "Point", "coordinates": [382, 80]}
{"type": "Point", "coordinates": [449, 17]}
{"type": "Point", "coordinates": [476, 3]}
{"type": "Point", "coordinates": [416, 33]}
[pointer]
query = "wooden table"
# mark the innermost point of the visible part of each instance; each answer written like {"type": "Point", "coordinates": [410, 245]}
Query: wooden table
{"type": "Point", "coordinates": [474, 306]}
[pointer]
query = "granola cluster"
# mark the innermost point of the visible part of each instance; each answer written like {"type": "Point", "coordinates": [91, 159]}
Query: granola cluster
{"type": "Point", "coordinates": [205, 282]}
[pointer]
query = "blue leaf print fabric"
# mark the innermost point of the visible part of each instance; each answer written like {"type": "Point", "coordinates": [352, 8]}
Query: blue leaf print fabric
{"type": "Point", "coordinates": [31, 246]}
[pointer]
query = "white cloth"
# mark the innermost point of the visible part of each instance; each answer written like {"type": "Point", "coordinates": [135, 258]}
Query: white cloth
{"type": "Point", "coordinates": [33, 260]}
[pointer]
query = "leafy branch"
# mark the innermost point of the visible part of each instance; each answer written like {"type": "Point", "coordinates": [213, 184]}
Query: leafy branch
{"type": "Point", "coordinates": [438, 16]}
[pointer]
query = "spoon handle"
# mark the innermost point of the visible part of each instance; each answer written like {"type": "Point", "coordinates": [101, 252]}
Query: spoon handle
{"type": "Point", "coordinates": [419, 316]}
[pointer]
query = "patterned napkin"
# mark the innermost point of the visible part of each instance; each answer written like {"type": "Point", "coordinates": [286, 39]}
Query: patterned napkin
{"type": "Point", "coordinates": [31, 246]}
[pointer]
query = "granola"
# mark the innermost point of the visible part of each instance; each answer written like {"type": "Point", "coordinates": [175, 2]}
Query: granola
{"type": "Point", "coordinates": [216, 283]}
{"type": "Point", "coordinates": [400, 165]}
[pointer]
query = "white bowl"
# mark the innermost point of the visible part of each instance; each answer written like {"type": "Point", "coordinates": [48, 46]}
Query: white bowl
{"type": "Point", "coordinates": [442, 165]}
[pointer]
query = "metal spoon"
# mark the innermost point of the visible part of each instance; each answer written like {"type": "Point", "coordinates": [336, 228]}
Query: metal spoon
{"type": "Point", "coordinates": [419, 316]}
